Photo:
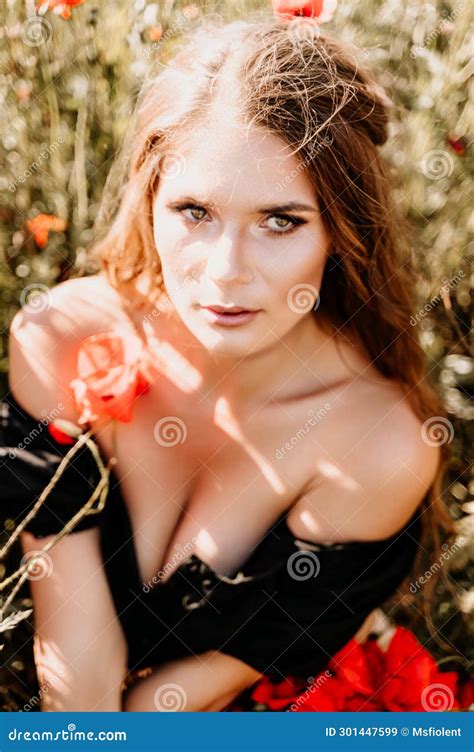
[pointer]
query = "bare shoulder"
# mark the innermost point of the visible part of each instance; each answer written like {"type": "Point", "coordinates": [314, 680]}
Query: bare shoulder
{"type": "Point", "coordinates": [45, 335]}
{"type": "Point", "coordinates": [374, 468]}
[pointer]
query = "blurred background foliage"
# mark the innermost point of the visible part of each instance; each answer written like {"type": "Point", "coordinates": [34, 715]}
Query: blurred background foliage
{"type": "Point", "coordinates": [69, 76]}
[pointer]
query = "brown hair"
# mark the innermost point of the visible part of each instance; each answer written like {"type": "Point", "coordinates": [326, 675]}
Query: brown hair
{"type": "Point", "coordinates": [310, 90]}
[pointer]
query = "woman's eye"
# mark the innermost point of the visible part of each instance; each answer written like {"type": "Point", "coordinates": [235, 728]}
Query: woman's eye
{"type": "Point", "coordinates": [285, 224]}
{"type": "Point", "coordinates": [194, 209]}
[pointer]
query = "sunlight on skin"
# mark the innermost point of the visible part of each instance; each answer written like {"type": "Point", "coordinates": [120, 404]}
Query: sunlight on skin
{"type": "Point", "coordinates": [207, 544]}
{"type": "Point", "coordinates": [26, 332]}
{"type": "Point", "coordinates": [174, 365]}
{"type": "Point", "coordinates": [225, 419]}
{"type": "Point", "coordinates": [62, 686]}
{"type": "Point", "coordinates": [308, 519]}
{"type": "Point", "coordinates": [329, 470]}
{"type": "Point", "coordinates": [55, 677]}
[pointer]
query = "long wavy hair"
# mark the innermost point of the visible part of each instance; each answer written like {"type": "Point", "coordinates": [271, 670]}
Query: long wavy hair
{"type": "Point", "coordinates": [313, 92]}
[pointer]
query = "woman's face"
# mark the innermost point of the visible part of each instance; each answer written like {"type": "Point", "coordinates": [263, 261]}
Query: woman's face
{"type": "Point", "coordinates": [228, 232]}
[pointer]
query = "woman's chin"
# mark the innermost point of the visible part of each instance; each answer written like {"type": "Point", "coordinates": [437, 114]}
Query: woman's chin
{"type": "Point", "coordinates": [230, 343]}
{"type": "Point", "coordinates": [223, 345]}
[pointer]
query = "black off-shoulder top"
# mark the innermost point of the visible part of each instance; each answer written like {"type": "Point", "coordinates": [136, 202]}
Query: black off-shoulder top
{"type": "Point", "coordinates": [289, 609]}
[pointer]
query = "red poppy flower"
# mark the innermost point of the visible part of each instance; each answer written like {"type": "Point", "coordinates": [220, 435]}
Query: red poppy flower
{"type": "Point", "coordinates": [112, 370]}
{"type": "Point", "coordinates": [457, 144]}
{"type": "Point", "coordinates": [411, 675]}
{"type": "Point", "coordinates": [322, 10]}
{"type": "Point", "coordinates": [61, 7]}
{"type": "Point", "coordinates": [41, 225]}
{"type": "Point", "coordinates": [363, 677]}
{"type": "Point", "coordinates": [350, 665]}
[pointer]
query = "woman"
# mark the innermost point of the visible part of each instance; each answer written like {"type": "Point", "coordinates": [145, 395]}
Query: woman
{"type": "Point", "coordinates": [245, 354]}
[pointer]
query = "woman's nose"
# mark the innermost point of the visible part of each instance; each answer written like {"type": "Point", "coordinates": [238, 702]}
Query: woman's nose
{"type": "Point", "coordinates": [226, 261]}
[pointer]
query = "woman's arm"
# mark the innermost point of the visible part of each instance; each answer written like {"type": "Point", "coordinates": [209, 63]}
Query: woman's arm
{"type": "Point", "coordinates": [79, 647]}
{"type": "Point", "coordinates": [196, 683]}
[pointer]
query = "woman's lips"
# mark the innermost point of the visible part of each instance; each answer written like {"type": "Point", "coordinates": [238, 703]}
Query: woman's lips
{"type": "Point", "coordinates": [229, 319]}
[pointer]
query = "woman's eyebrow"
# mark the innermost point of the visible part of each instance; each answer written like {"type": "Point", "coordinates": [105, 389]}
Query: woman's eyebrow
{"type": "Point", "coordinates": [274, 209]}
{"type": "Point", "coordinates": [282, 208]}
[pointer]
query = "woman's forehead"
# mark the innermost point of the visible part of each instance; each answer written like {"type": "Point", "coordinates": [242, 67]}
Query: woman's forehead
{"type": "Point", "coordinates": [248, 161]}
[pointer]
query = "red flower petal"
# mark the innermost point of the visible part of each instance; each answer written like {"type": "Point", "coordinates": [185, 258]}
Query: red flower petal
{"type": "Point", "coordinates": [320, 10]}
{"type": "Point", "coordinates": [276, 694]}
{"type": "Point", "coordinates": [60, 436]}
{"type": "Point", "coordinates": [311, 9]}
{"type": "Point", "coordinates": [142, 384]}
{"type": "Point", "coordinates": [457, 144]}
{"type": "Point", "coordinates": [41, 225]}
